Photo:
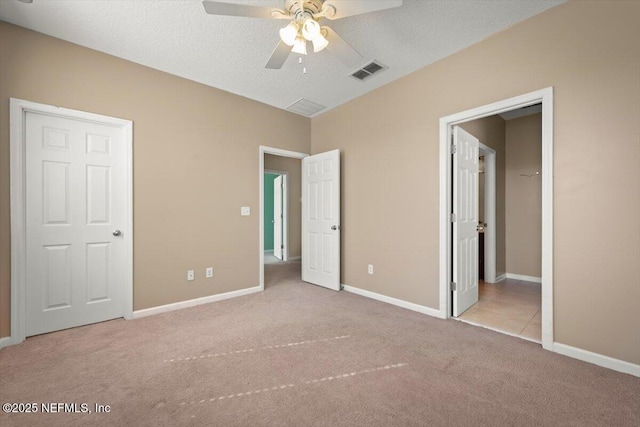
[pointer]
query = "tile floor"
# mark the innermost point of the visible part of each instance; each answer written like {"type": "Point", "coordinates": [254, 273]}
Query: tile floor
{"type": "Point", "coordinates": [269, 258]}
{"type": "Point", "coordinates": [511, 306]}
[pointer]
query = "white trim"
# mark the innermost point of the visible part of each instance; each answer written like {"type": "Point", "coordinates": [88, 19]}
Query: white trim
{"type": "Point", "coordinates": [547, 219]}
{"type": "Point", "coordinates": [6, 342]}
{"type": "Point", "coordinates": [501, 277]}
{"type": "Point", "coordinates": [294, 258]}
{"type": "Point", "coordinates": [394, 301]}
{"type": "Point", "coordinates": [597, 359]}
{"type": "Point", "coordinates": [285, 211]}
{"type": "Point", "coordinates": [18, 109]}
{"type": "Point", "coordinates": [128, 240]}
{"type": "Point", "coordinates": [277, 152]}
{"type": "Point", "coordinates": [523, 277]}
{"type": "Point", "coordinates": [489, 213]}
{"type": "Point", "coordinates": [194, 302]}
{"type": "Point", "coordinates": [544, 96]}
{"type": "Point", "coordinates": [18, 221]}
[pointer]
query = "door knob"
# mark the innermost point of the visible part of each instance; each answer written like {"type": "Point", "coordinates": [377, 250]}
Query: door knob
{"type": "Point", "coordinates": [117, 233]}
{"type": "Point", "coordinates": [335, 227]}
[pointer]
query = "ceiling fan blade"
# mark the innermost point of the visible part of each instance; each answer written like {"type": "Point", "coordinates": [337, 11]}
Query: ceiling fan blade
{"type": "Point", "coordinates": [346, 8]}
{"type": "Point", "coordinates": [341, 48]}
{"type": "Point", "coordinates": [232, 9]}
{"type": "Point", "coordinates": [279, 55]}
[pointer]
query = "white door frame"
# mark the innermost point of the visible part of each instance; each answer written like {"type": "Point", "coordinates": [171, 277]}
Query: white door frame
{"type": "Point", "coordinates": [18, 110]}
{"type": "Point", "coordinates": [545, 97]}
{"type": "Point", "coordinates": [489, 212]}
{"type": "Point", "coordinates": [285, 210]}
{"type": "Point", "coordinates": [277, 152]}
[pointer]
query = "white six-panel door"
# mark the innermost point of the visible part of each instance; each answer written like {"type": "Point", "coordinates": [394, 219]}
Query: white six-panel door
{"type": "Point", "coordinates": [76, 182]}
{"type": "Point", "coordinates": [465, 209]}
{"type": "Point", "coordinates": [321, 219]}
{"type": "Point", "coordinates": [277, 217]}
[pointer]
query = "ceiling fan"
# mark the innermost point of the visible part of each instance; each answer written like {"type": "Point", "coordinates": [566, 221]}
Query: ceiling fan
{"type": "Point", "coordinates": [304, 26]}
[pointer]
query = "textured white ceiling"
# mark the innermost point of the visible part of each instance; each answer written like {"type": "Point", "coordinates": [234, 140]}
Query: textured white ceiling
{"type": "Point", "coordinates": [229, 53]}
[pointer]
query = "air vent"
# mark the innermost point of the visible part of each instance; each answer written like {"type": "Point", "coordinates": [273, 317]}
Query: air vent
{"type": "Point", "coordinates": [373, 68]}
{"type": "Point", "coordinates": [305, 107]}
{"type": "Point", "coordinates": [361, 74]}
{"type": "Point", "coordinates": [368, 70]}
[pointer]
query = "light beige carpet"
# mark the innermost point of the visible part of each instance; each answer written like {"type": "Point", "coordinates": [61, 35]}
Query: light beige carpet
{"type": "Point", "coordinates": [301, 355]}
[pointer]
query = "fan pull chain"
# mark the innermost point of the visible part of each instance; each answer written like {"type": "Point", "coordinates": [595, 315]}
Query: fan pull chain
{"type": "Point", "coordinates": [304, 69]}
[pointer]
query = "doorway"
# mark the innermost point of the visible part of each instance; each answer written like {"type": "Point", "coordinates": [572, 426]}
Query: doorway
{"type": "Point", "coordinates": [512, 305]}
{"type": "Point", "coordinates": [276, 216]}
{"type": "Point", "coordinates": [448, 288]}
{"type": "Point", "coordinates": [319, 214]}
{"type": "Point", "coordinates": [286, 165]}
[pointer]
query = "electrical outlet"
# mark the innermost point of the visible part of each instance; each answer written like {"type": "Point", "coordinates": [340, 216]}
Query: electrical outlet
{"type": "Point", "coordinates": [370, 269]}
{"type": "Point", "coordinates": [191, 275]}
{"type": "Point", "coordinates": [245, 211]}
{"type": "Point", "coordinates": [209, 272]}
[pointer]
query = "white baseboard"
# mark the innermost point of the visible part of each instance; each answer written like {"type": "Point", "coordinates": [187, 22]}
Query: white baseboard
{"type": "Point", "coordinates": [523, 277]}
{"type": "Point", "coordinates": [194, 302]}
{"type": "Point", "coordinates": [394, 301]}
{"type": "Point", "coordinates": [5, 342]}
{"type": "Point", "coordinates": [294, 258]}
{"type": "Point", "coordinates": [268, 251]}
{"type": "Point", "coordinates": [500, 278]}
{"type": "Point", "coordinates": [597, 359]}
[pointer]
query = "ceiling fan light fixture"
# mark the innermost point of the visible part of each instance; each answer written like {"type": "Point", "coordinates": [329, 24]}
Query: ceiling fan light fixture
{"type": "Point", "coordinates": [310, 29]}
{"type": "Point", "coordinates": [319, 43]}
{"type": "Point", "coordinates": [303, 24]}
{"type": "Point", "coordinates": [300, 46]}
{"type": "Point", "coordinates": [289, 33]}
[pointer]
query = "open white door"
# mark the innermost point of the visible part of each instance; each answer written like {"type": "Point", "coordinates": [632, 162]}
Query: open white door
{"type": "Point", "coordinates": [277, 217]}
{"type": "Point", "coordinates": [465, 221]}
{"type": "Point", "coordinates": [321, 219]}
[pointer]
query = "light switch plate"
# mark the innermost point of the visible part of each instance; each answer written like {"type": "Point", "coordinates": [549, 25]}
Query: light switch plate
{"type": "Point", "coordinates": [245, 211]}
{"type": "Point", "coordinates": [190, 275]}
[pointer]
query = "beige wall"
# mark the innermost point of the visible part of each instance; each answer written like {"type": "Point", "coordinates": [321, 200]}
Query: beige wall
{"type": "Point", "coordinates": [294, 169]}
{"type": "Point", "coordinates": [195, 155]}
{"type": "Point", "coordinates": [524, 195]}
{"type": "Point", "coordinates": [491, 132]}
{"type": "Point", "coordinates": [590, 53]}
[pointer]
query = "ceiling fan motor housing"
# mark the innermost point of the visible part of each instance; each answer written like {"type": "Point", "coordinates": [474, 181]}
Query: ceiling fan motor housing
{"type": "Point", "coordinates": [300, 10]}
